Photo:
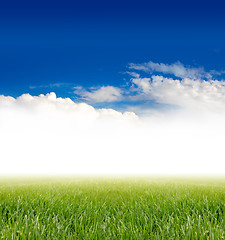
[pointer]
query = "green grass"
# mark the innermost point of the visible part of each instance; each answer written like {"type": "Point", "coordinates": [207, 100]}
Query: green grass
{"type": "Point", "coordinates": [112, 208]}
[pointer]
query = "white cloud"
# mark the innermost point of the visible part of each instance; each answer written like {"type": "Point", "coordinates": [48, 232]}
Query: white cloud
{"type": "Point", "coordinates": [189, 87]}
{"type": "Point", "coordinates": [103, 94]}
{"type": "Point", "coordinates": [46, 134]}
{"type": "Point", "coordinates": [143, 84]}
{"type": "Point", "coordinates": [186, 93]}
{"type": "Point", "coordinates": [177, 69]}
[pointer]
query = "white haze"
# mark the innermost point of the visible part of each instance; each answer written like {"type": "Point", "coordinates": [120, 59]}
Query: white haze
{"type": "Point", "coordinates": [50, 135]}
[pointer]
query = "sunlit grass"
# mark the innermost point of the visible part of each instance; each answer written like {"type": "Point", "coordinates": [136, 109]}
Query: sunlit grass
{"type": "Point", "coordinates": [112, 208]}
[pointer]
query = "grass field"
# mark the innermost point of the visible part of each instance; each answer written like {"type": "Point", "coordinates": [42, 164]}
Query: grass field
{"type": "Point", "coordinates": [112, 208]}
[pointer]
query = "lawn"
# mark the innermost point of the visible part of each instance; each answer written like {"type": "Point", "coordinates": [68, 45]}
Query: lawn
{"type": "Point", "coordinates": [112, 208]}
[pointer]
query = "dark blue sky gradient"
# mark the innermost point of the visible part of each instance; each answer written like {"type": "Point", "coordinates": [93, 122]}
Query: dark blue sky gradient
{"type": "Point", "coordinates": [90, 43]}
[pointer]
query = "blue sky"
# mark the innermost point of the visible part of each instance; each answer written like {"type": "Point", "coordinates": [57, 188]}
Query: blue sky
{"type": "Point", "coordinates": [151, 72]}
{"type": "Point", "coordinates": [55, 45]}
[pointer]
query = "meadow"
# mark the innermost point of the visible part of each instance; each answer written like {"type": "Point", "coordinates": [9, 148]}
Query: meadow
{"type": "Point", "coordinates": [112, 208]}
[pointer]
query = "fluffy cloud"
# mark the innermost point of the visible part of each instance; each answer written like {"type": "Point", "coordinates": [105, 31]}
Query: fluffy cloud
{"type": "Point", "coordinates": [186, 93]}
{"type": "Point", "coordinates": [189, 88]}
{"type": "Point", "coordinates": [103, 94]}
{"type": "Point", "coordinates": [45, 134]}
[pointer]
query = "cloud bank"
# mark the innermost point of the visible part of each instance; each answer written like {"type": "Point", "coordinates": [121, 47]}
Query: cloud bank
{"type": "Point", "coordinates": [46, 134]}
{"type": "Point", "coordinates": [49, 135]}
